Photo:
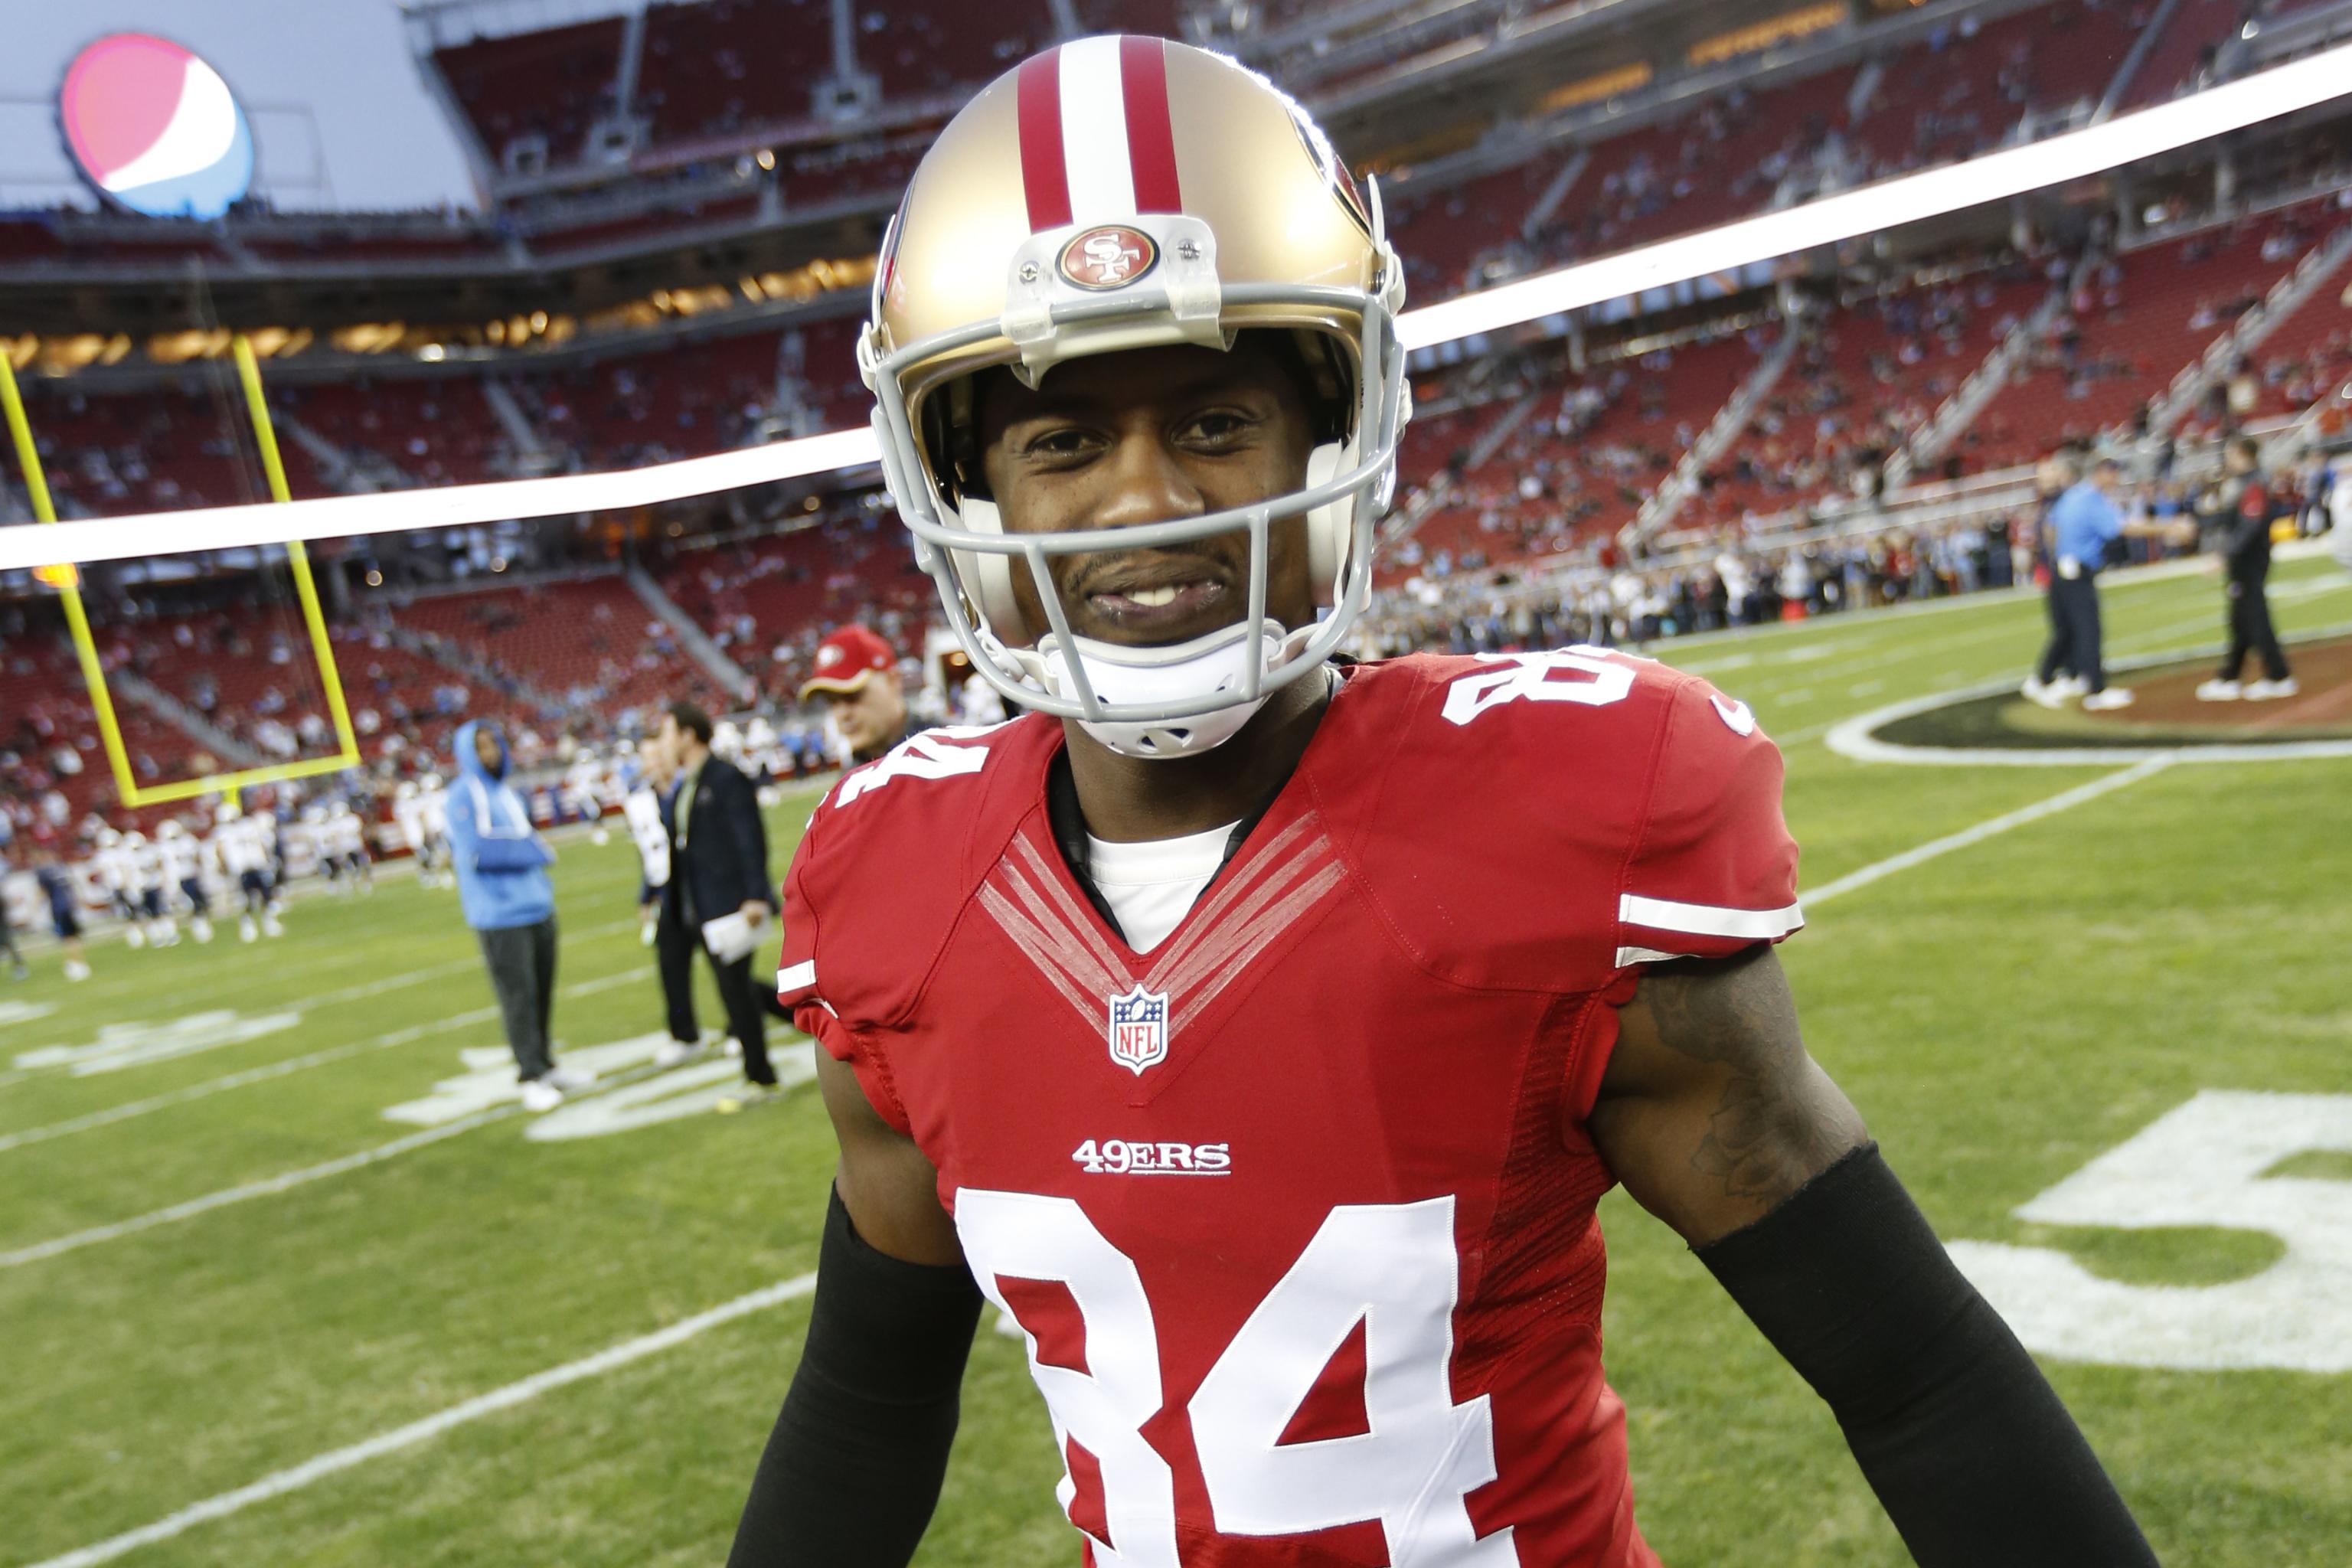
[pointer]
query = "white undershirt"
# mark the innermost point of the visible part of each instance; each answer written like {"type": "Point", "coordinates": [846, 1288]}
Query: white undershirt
{"type": "Point", "coordinates": [1150, 887]}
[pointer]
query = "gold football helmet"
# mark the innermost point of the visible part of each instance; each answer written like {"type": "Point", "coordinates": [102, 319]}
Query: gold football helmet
{"type": "Point", "coordinates": [1114, 194]}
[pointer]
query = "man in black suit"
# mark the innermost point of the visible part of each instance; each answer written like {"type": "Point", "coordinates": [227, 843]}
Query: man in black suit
{"type": "Point", "coordinates": [720, 874]}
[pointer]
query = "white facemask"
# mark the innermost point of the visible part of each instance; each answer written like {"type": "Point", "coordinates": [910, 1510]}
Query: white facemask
{"type": "Point", "coordinates": [1201, 669]}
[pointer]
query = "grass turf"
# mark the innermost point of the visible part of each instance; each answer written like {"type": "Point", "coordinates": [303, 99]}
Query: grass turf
{"type": "Point", "coordinates": [2002, 1014]}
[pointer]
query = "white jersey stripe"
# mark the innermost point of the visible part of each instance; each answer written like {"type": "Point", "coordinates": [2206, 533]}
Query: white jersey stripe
{"type": "Point", "coordinates": [798, 976]}
{"type": "Point", "coordinates": [1094, 133]}
{"type": "Point", "coordinates": [1708, 919]}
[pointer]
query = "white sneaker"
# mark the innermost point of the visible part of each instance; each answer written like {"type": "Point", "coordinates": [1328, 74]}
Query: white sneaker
{"type": "Point", "coordinates": [269, 926]}
{"type": "Point", "coordinates": [246, 930]}
{"type": "Point", "coordinates": [2069, 687]}
{"type": "Point", "coordinates": [77, 970]}
{"type": "Point", "coordinates": [568, 1078]}
{"type": "Point", "coordinates": [671, 1053]}
{"type": "Point", "coordinates": [2219, 690]}
{"type": "Point", "coordinates": [2114, 697]}
{"type": "Point", "coordinates": [540, 1096]}
{"type": "Point", "coordinates": [731, 1047]}
{"type": "Point", "coordinates": [165, 934]}
{"type": "Point", "coordinates": [133, 937]}
{"type": "Point", "coordinates": [2270, 690]}
{"type": "Point", "coordinates": [201, 929]}
{"type": "Point", "coordinates": [2036, 689]}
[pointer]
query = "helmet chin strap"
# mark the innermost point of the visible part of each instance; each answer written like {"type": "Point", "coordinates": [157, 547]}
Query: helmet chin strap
{"type": "Point", "coordinates": [1183, 673]}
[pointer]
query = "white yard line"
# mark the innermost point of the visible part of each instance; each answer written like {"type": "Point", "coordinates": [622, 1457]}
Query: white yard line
{"type": "Point", "coordinates": [1990, 828]}
{"type": "Point", "coordinates": [337, 1460]}
{"type": "Point", "coordinates": [284, 1181]}
{"type": "Point", "coordinates": [293, 1064]}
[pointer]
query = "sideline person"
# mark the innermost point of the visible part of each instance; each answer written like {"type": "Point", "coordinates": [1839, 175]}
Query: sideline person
{"type": "Point", "coordinates": [855, 675]}
{"type": "Point", "coordinates": [2237, 514]}
{"type": "Point", "coordinates": [503, 887]}
{"type": "Point", "coordinates": [1346, 938]}
{"type": "Point", "coordinates": [718, 891]}
{"type": "Point", "coordinates": [2083, 520]}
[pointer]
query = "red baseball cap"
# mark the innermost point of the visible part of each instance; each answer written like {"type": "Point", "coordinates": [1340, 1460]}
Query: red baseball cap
{"type": "Point", "coordinates": [845, 657]}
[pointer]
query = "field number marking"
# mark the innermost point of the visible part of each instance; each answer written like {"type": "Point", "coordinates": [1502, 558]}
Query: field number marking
{"type": "Point", "coordinates": [2207, 1162]}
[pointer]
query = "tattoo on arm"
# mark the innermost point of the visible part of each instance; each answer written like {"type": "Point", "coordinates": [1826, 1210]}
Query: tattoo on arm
{"type": "Point", "coordinates": [1711, 1113]}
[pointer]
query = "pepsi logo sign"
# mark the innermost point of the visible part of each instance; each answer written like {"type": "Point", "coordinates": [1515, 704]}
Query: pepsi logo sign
{"type": "Point", "coordinates": [1111, 257]}
{"type": "Point", "coordinates": [154, 127]}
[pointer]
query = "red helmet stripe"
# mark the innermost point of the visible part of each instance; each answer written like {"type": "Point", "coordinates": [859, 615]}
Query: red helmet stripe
{"type": "Point", "coordinates": [1044, 178]}
{"type": "Point", "coordinates": [1150, 132]}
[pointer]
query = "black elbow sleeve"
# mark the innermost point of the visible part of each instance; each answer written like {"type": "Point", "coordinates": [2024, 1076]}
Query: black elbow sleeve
{"type": "Point", "coordinates": [852, 1469]}
{"type": "Point", "coordinates": [1963, 1439]}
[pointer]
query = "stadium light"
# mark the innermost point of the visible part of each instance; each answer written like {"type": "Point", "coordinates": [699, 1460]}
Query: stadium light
{"type": "Point", "coordinates": [1991, 176]}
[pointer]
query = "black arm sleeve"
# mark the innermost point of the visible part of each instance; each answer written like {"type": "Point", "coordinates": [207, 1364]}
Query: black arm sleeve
{"type": "Point", "coordinates": [1956, 1429]}
{"type": "Point", "coordinates": [852, 1469]}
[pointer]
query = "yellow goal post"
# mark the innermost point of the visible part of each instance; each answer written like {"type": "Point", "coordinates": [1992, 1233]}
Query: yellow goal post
{"type": "Point", "coordinates": [67, 580]}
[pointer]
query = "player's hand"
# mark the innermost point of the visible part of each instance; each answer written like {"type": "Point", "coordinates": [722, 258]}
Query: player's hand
{"type": "Point", "coordinates": [754, 912]}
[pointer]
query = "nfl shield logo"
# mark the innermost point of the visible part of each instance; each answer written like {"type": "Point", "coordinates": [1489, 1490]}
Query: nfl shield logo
{"type": "Point", "coordinates": [1139, 1029]}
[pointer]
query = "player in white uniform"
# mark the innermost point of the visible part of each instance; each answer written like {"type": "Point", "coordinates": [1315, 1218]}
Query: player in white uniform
{"type": "Point", "coordinates": [241, 844]}
{"type": "Point", "coordinates": [118, 874]}
{"type": "Point", "coordinates": [183, 867]}
{"type": "Point", "coordinates": [148, 880]}
{"type": "Point", "coordinates": [433, 814]}
{"type": "Point", "coordinates": [344, 844]}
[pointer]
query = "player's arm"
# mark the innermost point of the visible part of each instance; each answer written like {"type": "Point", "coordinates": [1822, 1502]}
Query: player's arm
{"type": "Point", "coordinates": [1717, 1121]}
{"type": "Point", "coordinates": [852, 1469]}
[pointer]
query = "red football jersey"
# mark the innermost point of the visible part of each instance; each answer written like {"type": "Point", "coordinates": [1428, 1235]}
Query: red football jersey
{"type": "Point", "coordinates": [1296, 1210]}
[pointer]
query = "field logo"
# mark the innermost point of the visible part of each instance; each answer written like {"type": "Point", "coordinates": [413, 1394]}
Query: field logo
{"type": "Point", "coordinates": [489, 1082]}
{"type": "Point", "coordinates": [2226, 1159]}
{"type": "Point", "coordinates": [1139, 1028]}
{"type": "Point", "coordinates": [155, 129]}
{"type": "Point", "coordinates": [121, 1046]}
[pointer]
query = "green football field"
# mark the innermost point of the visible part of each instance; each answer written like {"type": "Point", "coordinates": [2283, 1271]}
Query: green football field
{"type": "Point", "coordinates": [285, 1276]}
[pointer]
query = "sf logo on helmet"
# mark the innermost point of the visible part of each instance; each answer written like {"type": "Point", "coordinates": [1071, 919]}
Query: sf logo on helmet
{"type": "Point", "coordinates": [1108, 258]}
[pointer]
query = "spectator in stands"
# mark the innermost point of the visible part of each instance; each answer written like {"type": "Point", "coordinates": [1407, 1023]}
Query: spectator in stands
{"type": "Point", "coordinates": [2237, 514]}
{"type": "Point", "coordinates": [857, 676]}
{"type": "Point", "coordinates": [502, 884]}
{"type": "Point", "coordinates": [718, 891]}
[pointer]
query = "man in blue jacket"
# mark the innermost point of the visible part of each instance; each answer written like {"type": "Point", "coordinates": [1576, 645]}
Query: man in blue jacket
{"type": "Point", "coordinates": [501, 866]}
{"type": "Point", "coordinates": [2085, 519]}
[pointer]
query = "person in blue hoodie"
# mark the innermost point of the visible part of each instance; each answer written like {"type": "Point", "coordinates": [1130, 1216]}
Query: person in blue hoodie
{"type": "Point", "coordinates": [502, 884]}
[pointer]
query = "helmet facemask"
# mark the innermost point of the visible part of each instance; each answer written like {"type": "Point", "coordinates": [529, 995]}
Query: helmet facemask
{"type": "Point", "coordinates": [1176, 699]}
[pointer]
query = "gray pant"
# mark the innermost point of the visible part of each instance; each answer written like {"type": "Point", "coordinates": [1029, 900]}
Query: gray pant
{"type": "Point", "coordinates": [522, 973]}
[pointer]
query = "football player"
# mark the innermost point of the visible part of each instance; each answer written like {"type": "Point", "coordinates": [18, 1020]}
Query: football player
{"type": "Point", "coordinates": [344, 842]}
{"type": "Point", "coordinates": [240, 842]}
{"type": "Point", "coordinates": [149, 876]}
{"type": "Point", "coordinates": [1259, 1031]}
{"type": "Point", "coordinates": [183, 867]}
{"type": "Point", "coordinates": [118, 874]}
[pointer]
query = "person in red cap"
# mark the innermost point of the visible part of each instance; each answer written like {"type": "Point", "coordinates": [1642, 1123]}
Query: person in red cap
{"type": "Point", "coordinates": [857, 674]}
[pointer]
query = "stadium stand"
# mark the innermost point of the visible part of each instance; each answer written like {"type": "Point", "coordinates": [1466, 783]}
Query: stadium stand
{"type": "Point", "coordinates": [698, 78]}
{"type": "Point", "coordinates": [434, 432]}
{"type": "Point", "coordinates": [2143, 316]}
{"type": "Point", "coordinates": [589, 644]}
{"type": "Point", "coordinates": [2186, 51]}
{"type": "Point", "coordinates": [1869, 374]}
{"type": "Point", "coordinates": [551, 83]}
